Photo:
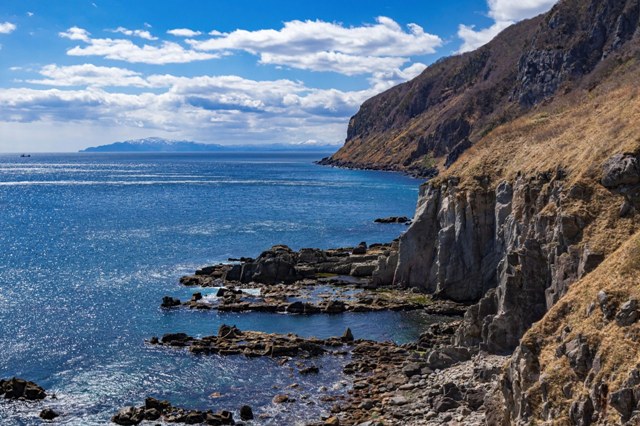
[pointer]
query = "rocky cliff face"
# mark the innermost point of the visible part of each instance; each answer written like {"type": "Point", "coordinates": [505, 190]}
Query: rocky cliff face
{"type": "Point", "coordinates": [515, 246]}
{"type": "Point", "coordinates": [429, 121]}
{"type": "Point", "coordinates": [538, 225]}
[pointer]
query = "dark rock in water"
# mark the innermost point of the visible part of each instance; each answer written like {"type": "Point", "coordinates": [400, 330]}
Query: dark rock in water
{"type": "Point", "coordinates": [175, 338]}
{"type": "Point", "coordinates": [393, 219]}
{"type": "Point", "coordinates": [194, 417]}
{"type": "Point", "coordinates": [152, 414]}
{"type": "Point", "coordinates": [169, 302]}
{"type": "Point", "coordinates": [347, 336]}
{"type": "Point", "coordinates": [152, 403]}
{"type": "Point", "coordinates": [295, 308]}
{"type": "Point", "coordinates": [334, 307]}
{"type": "Point", "coordinates": [228, 332]}
{"type": "Point", "coordinates": [281, 398]}
{"type": "Point", "coordinates": [221, 418]}
{"type": "Point", "coordinates": [196, 296]}
{"type": "Point", "coordinates": [48, 414]}
{"type": "Point", "coordinates": [128, 416]}
{"type": "Point", "coordinates": [310, 370]}
{"type": "Point", "coordinates": [246, 413]}
{"type": "Point", "coordinates": [15, 388]}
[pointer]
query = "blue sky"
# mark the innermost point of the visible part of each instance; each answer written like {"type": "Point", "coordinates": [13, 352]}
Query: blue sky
{"type": "Point", "coordinates": [78, 73]}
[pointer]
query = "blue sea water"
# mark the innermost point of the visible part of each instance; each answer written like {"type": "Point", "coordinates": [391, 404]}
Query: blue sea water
{"type": "Point", "coordinates": [89, 244]}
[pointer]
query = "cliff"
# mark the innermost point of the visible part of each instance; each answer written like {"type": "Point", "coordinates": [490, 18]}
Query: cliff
{"type": "Point", "coordinates": [425, 124]}
{"type": "Point", "coordinates": [531, 219]}
{"type": "Point", "coordinates": [536, 221]}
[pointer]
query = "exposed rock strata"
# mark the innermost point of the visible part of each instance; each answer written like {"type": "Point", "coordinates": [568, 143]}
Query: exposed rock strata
{"type": "Point", "coordinates": [280, 264]}
{"type": "Point", "coordinates": [580, 364]}
{"type": "Point", "coordinates": [516, 246]}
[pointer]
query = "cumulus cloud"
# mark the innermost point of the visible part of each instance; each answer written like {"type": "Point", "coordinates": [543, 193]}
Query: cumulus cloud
{"type": "Point", "coordinates": [473, 39]}
{"type": "Point", "coordinates": [381, 81]}
{"type": "Point", "coordinates": [89, 75]}
{"type": "Point", "coordinates": [7, 27]}
{"type": "Point", "coordinates": [230, 107]}
{"type": "Point", "coordinates": [125, 50]}
{"type": "Point", "coordinates": [327, 46]}
{"type": "Point", "coordinates": [75, 33]}
{"type": "Point", "coordinates": [135, 33]}
{"type": "Point", "coordinates": [183, 32]}
{"type": "Point", "coordinates": [504, 13]}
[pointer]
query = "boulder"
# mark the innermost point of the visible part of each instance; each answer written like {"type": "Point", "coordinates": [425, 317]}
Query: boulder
{"type": "Point", "coordinates": [15, 388]}
{"type": "Point", "coordinates": [347, 336]}
{"type": "Point", "coordinates": [128, 416]}
{"type": "Point", "coordinates": [281, 398]}
{"type": "Point", "coordinates": [628, 313]}
{"type": "Point", "coordinates": [276, 265]}
{"type": "Point", "coordinates": [175, 339]}
{"type": "Point", "coordinates": [228, 332]}
{"type": "Point", "coordinates": [392, 219]}
{"type": "Point", "coordinates": [334, 307]}
{"type": "Point", "coordinates": [48, 414]}
{"type": "Point", "coordinates": [360, 249]}
{"type": "Point", "coordinates": [170, 302]}
{"type": "Point", "coordinates": [246, 413]}
{"type": "Point", "coordinates": [363, 269]}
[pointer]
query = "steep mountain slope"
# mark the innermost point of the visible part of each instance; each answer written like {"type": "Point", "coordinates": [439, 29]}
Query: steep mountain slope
{"type": "Point", "coordinates": [427, 122]}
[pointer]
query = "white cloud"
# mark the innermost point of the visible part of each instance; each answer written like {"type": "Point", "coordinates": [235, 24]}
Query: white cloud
{"type": "Point", "coordinates": [504, 13]}
{"type": "Point", "coordinates": [184, 32]}
{"type": "Point", "coordinates": [125, 50]}
{"type": "Point", "coordinates": [326, 46]}
{"type": "Point", "coordinates": [29, 14]}
{"type": "Point", "coordinates": [89, 75]}
{"type": "Point", "coordinates": [135, 33]}
{"type": "Point", "coordinates": [75, 33]}
{"type": "Point", "coordinates": [231, 107]}
{"type": "Point", "coordinates": [473, 39]}
{"type": "Point", "coordinates": [381, 81]}
{"type": "Point", "coordinates": [509, 10]}
{"type": "Point", "coordinates": [7, 27]}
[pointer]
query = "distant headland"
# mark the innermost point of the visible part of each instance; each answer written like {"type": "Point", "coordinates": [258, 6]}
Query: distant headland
{"type": "Point", "coordinates": [154, 144]}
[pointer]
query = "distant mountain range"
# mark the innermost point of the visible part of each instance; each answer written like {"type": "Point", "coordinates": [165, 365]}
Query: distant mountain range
{"type": "Point", "coordinates": [165, 145]}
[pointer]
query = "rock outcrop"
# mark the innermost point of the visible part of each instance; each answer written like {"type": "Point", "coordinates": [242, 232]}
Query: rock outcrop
{"type": "Point", "coordinates": [514, 246]}
{"type": "Point", "coordinates": [16, 388]}
{"type": "Point", "coordinates": [280, 264]}
{"type": "Point", "coordinates": [581, 364]}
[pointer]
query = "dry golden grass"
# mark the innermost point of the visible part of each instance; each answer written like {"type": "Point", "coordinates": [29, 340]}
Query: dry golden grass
{"type": "Point", "coordinates": [577, 133]}
{"type": "Point", "coordinates": [617, 347]}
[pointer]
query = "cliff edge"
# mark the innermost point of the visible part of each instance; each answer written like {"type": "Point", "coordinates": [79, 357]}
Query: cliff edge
{"type": "Point", "coordinates": [423, 126]}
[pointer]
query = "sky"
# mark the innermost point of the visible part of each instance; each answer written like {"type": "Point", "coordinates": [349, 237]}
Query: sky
{"type": "Point", "coordinates": [80, 73]}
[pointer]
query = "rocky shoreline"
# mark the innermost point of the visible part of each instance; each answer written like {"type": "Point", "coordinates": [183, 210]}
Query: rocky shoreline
{"type": "Point", "coordinates": [430, 381]}
{"type": "Point", "coordinates": [414, 170]}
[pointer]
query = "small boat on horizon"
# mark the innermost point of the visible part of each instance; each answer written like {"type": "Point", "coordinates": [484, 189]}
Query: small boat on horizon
{"type": "Point", "coordinates": [25, 155]}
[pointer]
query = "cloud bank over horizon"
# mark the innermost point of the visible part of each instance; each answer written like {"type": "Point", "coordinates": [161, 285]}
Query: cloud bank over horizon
{"type": "Point", "coordinates": [299, 81]}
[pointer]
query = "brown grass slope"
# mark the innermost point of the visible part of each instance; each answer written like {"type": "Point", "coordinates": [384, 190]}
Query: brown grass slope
{"type": "Point", "coordinates": [577, 133]}
{"type": "Point", "coordinates": [455, 102]}
{"type": "Point", "coordinates": [616, 347]}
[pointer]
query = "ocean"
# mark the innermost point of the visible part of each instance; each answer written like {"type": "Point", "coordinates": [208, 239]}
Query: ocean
{"type": "Point", "coordinates": [90, 243]}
